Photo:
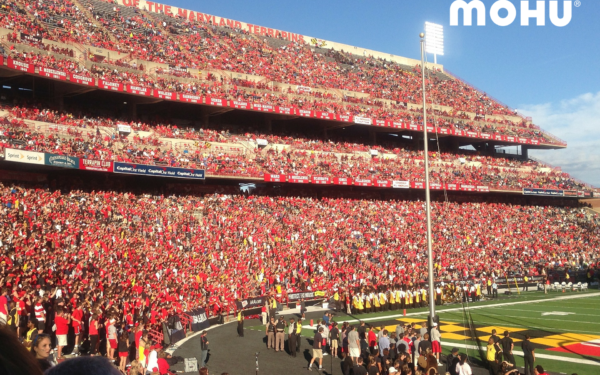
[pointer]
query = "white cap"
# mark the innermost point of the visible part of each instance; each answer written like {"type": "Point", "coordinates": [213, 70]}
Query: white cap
{"type": "Point", "coordinates": [435, 324]}
{"type": "Point", "coordinates": [392, 370]}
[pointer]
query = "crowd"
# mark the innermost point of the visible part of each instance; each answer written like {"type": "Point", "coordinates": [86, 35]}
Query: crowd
{"type": "Point", "coordinates": [184, 44]}
{"type": "Point", "coordinates": [304, 157]}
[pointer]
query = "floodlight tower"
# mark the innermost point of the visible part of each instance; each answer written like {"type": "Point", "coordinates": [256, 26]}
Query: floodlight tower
{"type": "Point", "coordinates": [434, 40]}
{"type": "Point", "coordinates": [432, 317]}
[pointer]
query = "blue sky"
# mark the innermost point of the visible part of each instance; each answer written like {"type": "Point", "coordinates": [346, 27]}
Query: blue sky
{"type": "Point", "coordinates": [551, 73]}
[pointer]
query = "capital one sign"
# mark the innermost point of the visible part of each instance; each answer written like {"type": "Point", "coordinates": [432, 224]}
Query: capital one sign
{"type": "Point", "coordinates": [537, 12]}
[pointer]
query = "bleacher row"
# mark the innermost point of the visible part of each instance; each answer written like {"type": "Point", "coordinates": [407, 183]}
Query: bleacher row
{"type": "Point", "coordinates": [334, 83]}
{"type": "Point", "coordinates": [221, 152]}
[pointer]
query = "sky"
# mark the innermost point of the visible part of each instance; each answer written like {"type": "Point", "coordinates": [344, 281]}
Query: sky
{"type": "Point", "coordinates": [550, 73]}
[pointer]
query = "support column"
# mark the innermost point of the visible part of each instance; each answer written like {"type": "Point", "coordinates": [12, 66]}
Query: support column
{"type": "Point", "coordinates": [524, 152]}
{"type": "Point", "coordinates": [132, 110]}
{"type": "Point", "coordinates": [373, 136]}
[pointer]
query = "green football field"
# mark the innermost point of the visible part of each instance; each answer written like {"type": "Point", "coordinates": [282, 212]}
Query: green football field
{"type": "Point", "coordinates": [564, 327]}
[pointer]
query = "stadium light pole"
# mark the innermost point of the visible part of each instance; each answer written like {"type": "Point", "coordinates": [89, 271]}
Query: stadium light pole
{"type": "Point", "coordinates": [427, 198]}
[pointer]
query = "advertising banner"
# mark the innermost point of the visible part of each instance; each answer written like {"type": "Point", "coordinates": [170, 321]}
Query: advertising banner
{"type": "Point", "coordinates": [484, 189]}
{"type": "Point", "coordinates": [20, 156]}
{"type": "Point", "coordinates": [363, 120]}
{"type": "Point", "coordinates": [543, 192]}
{"type": "Point", "coordinates": [251, 303]}
{"type": "Point", "coordinates": [464, 187]}
{"type": "Point", "coordinates": [96, 165]}
{"type": "Point", "coordinates": [199, 319]}
{"type": "Point", "coordinates": [154, 170]}
{"type": "Point", "coordinates": [64, 161]}
{"type": "Point", "coordinates": [401, 184]}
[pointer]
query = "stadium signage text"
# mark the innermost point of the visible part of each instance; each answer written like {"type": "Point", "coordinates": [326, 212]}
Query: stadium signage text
{"type": "Point", "coordinates": [153, 170]}
{"type": "Point", "coordinates": [63, 161]}
{"type": "Point", "coordinates": [527, 12]}
{"type": "Point", "coordinates": [190, 15]}
{"type": "Point", "coordinates": [20, 156]}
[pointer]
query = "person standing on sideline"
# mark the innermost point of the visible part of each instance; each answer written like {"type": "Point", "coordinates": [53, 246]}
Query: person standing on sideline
{"type": "Point", "coordinates": [353, 344]}
{"type": "Point", "coordinates": [334, 336]}
{"type": "Point", "coordinates": [270, 332]}
{"type": "Point", "coordinates": [492, 356]}
{"type": "Point", "coordinates": [528, 355]}
{"type": "Point", "coordinates": [292, 337]}
{"type": "Point", "coordinates": [240, 326]}
{"type": "Point", "coordinates": [436, 342]}
{"type": "Point", "coordinates": [451, 361]}
{"type": "Point", "coordinates": [384, 342]}
{"type": "Point", "coordinates": [507, 348]}
{"type": "Point", "coordinates": [489, 286]}
{"type": "Point", "coordinates": [494, 289]}
{"type": "Point", "coordinates": [317, 350]}
{"type": "Point", "coordinates": [280, 334]}
{"type": "Point", "coordinates": [525, 281]}
{"type": "Point", "coordinates": [204, 348]}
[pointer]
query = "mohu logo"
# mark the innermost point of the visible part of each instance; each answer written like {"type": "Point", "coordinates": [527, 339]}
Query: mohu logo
{"type": "Point", "coordinates": [539, 12]}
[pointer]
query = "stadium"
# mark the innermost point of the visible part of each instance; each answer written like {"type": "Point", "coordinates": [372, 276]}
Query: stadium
{"type": "Point", "coordinates": [171, 180]}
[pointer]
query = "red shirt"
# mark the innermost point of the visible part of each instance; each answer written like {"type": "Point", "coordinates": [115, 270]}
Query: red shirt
{"type": "Point", "coordinates": [62, 325]}
{"type": "Point", "coordinates": [138, 336]}
{"type": "Point", "coordinates": [93, 329]}
{"type": "Point", "coordinates": [77, 314]}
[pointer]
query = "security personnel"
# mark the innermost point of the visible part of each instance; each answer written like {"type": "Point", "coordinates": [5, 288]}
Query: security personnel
{"type": "Point", "coordinates": [271, 333]}
{"type": "Point", "coordinates": [240, 327]}
{"type": "Point", "coordinates": [292, 337]}
{"type": "Point", "coordinates": [279, 334]}
{"type": "Point", "coordinates": [336, 300]}
{"type": "Point", "coordinates": [489, 286]}
{"type": "Point", "coordinates": [525, 281]}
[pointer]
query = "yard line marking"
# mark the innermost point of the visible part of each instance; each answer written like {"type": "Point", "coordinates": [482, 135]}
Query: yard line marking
{"type": "Point", "coordinates": [540, 355]}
